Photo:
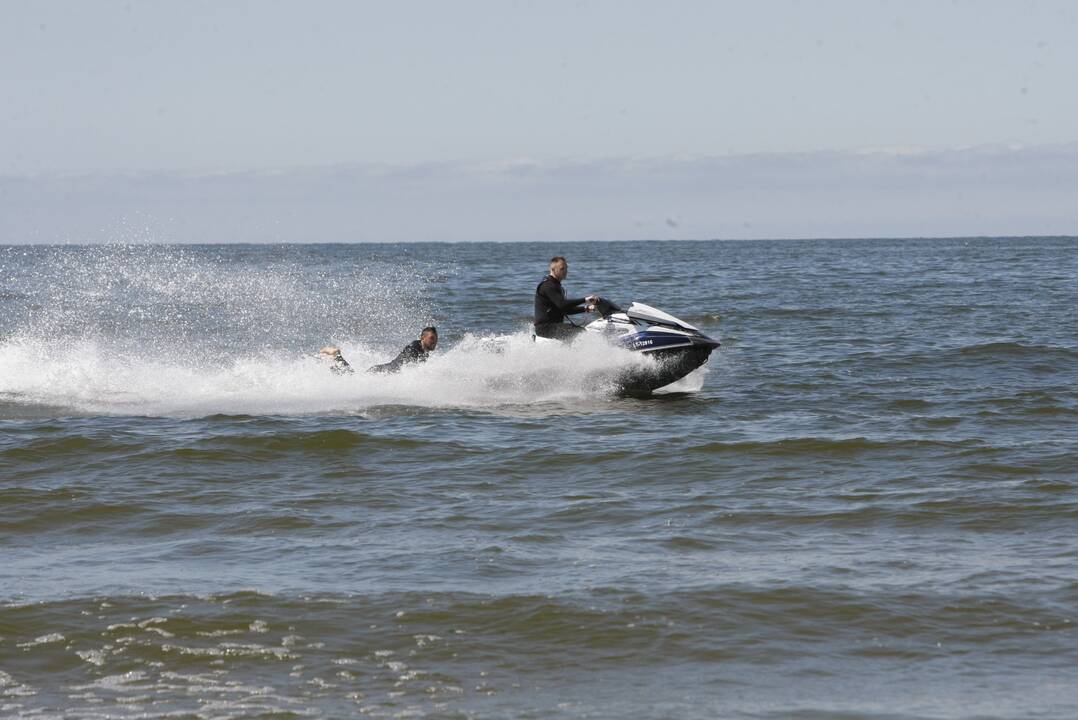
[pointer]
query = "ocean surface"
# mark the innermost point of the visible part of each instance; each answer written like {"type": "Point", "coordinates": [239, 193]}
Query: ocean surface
{"type": "Point", "coordinates": [866, 507]}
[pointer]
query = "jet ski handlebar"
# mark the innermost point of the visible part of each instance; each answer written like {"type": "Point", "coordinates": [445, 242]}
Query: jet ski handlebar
{"type": "Point", "coordinates": [604, 307]}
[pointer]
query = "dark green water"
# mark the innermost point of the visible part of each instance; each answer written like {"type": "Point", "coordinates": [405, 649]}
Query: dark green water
{"type": "Point", "coordinates": [868, 508]}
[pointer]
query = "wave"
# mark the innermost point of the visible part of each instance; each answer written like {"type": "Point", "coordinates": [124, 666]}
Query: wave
{"type": "Point", "coordinates": [193, 331]}
{"type": "Point", "coordinates": [90, 378]}
{"type": "Point", "coordinates": [837, 447]}
{"type": "Point", "coordinates": [983, 352]}
{"type": "Point", "coordinates": [430, 645]}
{"type": "Point", "coordinates": [992, 350]}
{"type": "Point", "coordinates": [605, 616]}
{"type": "Point", "coordinates": [856, 513]}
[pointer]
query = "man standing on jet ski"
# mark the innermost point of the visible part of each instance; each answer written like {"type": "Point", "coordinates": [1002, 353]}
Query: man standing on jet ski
{"type": "Point", "coordinates": [552, 307]}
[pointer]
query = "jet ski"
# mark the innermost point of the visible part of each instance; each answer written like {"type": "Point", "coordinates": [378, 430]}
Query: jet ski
{"type": "Point", "coordinates": [677, 347]}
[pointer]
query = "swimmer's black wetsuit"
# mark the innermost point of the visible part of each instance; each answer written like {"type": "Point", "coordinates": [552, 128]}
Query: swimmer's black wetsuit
{"type": "Point", "coordinates": [414, 353]}
{"type": "Point", "coordinates": [551, 307]}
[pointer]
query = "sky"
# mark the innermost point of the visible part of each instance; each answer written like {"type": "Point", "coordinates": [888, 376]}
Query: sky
{"type": "Point", "coordinates": [549, 119]}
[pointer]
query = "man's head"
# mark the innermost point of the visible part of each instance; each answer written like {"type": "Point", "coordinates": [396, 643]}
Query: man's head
{"type": "Point", "coordinates": [428, 338]}
{"type": "Point", "coordinates": [559, 268]}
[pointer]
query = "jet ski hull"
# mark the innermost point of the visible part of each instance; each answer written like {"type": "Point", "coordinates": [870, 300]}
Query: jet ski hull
{"type": "Point", "coordinates": [670, 366]}
{"type": "Point", "coordinates": [675, 347]}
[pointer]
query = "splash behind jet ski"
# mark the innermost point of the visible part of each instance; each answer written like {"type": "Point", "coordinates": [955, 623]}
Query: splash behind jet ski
{"type": "Point", "coordinates": [676, 347]}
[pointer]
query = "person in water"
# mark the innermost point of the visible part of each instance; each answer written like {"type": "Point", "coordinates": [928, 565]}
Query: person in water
{"type": "Point", "coordinates": [552, 307]}
{"type": "Point", "coordinates": [416, 351]}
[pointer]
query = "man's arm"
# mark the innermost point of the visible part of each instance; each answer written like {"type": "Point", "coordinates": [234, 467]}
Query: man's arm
{"type": "Point", "coordinates": [410, 354]}
{"type": "Point", "coordinates": [567, 306]}
{"type": "Point", "coordinates": [340, 365]}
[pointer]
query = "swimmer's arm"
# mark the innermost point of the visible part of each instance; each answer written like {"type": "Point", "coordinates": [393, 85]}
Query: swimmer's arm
{"type": "Point", "coordinates": [340, 365]}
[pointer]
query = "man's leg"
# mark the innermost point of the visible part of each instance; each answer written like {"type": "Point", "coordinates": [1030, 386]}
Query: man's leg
{"type": "Point", "coordinates": [558, 331]}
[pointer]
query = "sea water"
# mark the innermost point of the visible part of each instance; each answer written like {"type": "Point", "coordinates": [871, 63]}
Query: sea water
{"type": "Point", "coordinates": [865, 506]}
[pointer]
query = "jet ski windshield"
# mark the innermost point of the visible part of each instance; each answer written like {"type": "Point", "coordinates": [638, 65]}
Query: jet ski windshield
{"type": "Point", "coordinates": [605, 308]}
{"type": "Point", "coordinates": [640, 311]}
{"type": "Point", "coordinates": [643, 313]}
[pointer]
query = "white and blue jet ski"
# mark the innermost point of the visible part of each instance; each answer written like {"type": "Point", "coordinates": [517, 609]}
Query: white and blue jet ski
{"type": "Point", "coordinates": [677, 347]}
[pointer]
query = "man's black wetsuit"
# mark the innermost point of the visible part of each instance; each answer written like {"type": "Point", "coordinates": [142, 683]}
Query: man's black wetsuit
{"type": "Point", "coordinates": [414, 353]}
{"type": "Point", "coordinates": [551, 307]}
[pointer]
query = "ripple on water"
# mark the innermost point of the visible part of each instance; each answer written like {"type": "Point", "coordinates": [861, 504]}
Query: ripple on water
{"type": "Point", "coordinates": [446, 653]}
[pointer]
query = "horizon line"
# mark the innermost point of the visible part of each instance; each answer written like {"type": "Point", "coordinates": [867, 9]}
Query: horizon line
{"type": "Point", "coordinates": [549, 242]}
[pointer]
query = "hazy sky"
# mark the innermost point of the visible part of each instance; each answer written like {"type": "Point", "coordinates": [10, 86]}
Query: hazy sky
{"type": "Point", "coordinates": [218, 121]}
{"type": "Point", "coordinates": [219, 85]}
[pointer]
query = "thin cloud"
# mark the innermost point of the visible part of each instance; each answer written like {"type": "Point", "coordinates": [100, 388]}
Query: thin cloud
{"type": "Point", "coordinates": [988, 190]}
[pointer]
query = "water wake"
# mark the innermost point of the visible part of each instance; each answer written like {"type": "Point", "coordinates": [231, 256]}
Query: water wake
{"type": "Point", "coordinates": [194, 331]}
{"type": "Point", "coordinates": [86, 377]}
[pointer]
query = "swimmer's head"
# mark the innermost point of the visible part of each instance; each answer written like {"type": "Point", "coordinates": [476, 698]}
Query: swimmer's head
{"type": "Point", "coordinates": [428, 338]}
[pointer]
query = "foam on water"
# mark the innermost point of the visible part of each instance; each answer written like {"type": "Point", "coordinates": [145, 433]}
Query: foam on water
{"type": "Point", "coordinates": [86, 377]}
{"type": "Point", "coordinates": [172, 331]}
